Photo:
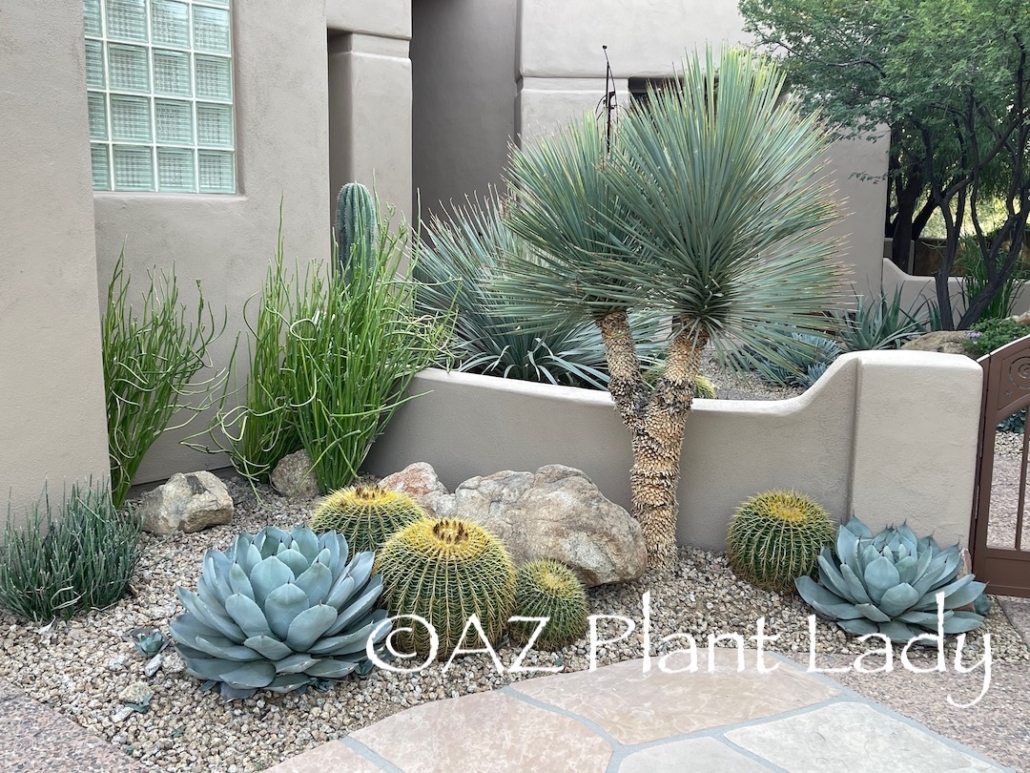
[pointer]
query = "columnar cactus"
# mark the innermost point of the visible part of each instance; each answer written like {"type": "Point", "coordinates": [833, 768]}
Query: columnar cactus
{"type": "Point", "coordinates": [547, 588]}
{"type": "Point", "coordinates": [776, 536]}
{"type": "Point", "coordinates": [366, 515]}
{"type": "Point", "coordinates": [445, 571]}
{"type": "Point", "coordinates": [357, 224]}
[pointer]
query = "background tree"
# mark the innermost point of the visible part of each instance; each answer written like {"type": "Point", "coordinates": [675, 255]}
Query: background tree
{"type": "Point", "coordinates": [949, 78]}
{"type": "Point", "coordinates": [708, 209]}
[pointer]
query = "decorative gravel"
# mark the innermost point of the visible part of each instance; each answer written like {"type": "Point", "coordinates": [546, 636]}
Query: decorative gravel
{"type": "Point", "coordinates": [82, 667]}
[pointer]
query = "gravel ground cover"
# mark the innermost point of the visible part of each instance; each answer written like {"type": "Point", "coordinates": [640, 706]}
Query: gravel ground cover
{"type": "Point", "coordinates": [81, 667]}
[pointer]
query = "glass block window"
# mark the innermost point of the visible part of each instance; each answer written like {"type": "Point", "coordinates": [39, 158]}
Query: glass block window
{"type": "Point", "coordinates": [160, 91]}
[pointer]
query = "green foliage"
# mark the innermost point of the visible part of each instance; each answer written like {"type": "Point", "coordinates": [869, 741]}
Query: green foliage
{"type": "Point", "coordinates": [704, 388]}
{"type": "Point", "coordinates": [463, 256]}
{"type": "Point", "coordinates": [959, 128]}
{"type": "Point", "coordinates": [357, 223]}
{"type": "Point", "coordinates": [280, 611]}
{"type": "Point", "coordinates": [801, 362]}
{"type": "Point", "coordinates": [445, 571]}
{"type": "Point", "coordinates": [985, 337]}
{"type": "Point", "coordinates": [880, 323]}
{"type": "Point", "coordinates": [81, 557]}
{"type": "Point", "coordinates": [366, 515]}
{"type": "Point", "coordinates": [887, 584]}
{"type": "Point", "coordinates": [332, 358]}
{"type": "Point", "coordinates": [975, 281]}
{"type": "Point", "coordinates": [744, 262]}
{"type": "Point", "coordinates": [150, 357]}
{"type": "Point", "coordinates": [776, 536]}
{"type": "Point", "coordinates": [547, 588]}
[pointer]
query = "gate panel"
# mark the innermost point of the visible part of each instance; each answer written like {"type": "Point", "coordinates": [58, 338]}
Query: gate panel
{"type": "Point", "coordinates": [1000, 542]}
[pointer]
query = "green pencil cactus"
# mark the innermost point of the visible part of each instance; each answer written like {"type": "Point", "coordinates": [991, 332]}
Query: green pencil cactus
{"type": "Point", "coordinates": [366, 515]}
{"type": "Point", "coordinates": [776, 536]}
{"type": "Point", "coordinates": [445, 571]}
{"type": "Point", "coordinates": [548, 588]}
{"type": "Point", "coordinates": [357, 224]}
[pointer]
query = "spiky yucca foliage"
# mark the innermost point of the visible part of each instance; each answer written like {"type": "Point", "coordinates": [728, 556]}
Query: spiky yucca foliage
{"type": "Point", "coordinates": [776, 537]}
{"type": "Point", "coordinates": [709, 207]}
{"type": "Point", "coordinates": [548, 588]}
{"type": "Point", "coordinates": [457, 266]}
{"type": "Point", "coordinates": [366, 515]}
{"type": "Point", "coordinates": [445, 571]}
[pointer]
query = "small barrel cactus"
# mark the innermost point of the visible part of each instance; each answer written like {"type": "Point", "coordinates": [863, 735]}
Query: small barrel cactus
{"type": "Point", "coordinates": [776, 536]}
{"type": "Point", "coordinates": [446, 571]}
{"type": "Point", "coordinates": [366, 515]}
{"type": "Point", "coordinates": [357, 226]}
{"type": "Point", "coordinates": [280, 611]}
{"type": "Point", "coordinates": [888, 584]}
{"type": "Point", "coordinates": [704, 388]}
{"type": "Point", "coordinates": [547, 588]}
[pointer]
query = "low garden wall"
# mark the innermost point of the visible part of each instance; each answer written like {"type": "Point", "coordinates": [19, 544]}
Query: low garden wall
{"type": "Point", "coordinates": [889, 436]}
{"type": "Point", "coordinates": [916, 289]}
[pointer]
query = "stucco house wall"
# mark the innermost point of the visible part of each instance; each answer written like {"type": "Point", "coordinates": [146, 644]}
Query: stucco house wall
{"type": "Point", "coordinates": [558, 73]}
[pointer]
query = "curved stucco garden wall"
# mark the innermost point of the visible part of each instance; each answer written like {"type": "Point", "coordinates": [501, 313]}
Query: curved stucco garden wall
{"type": "Point", "coordinates": [889, 436]}
{"type": "Point", "coordinates": [915, 290]}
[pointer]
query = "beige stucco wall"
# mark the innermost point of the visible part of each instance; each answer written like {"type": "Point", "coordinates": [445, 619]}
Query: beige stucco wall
{"type": "Point", "coordinates": [52, 419]}
{"type": "Point", "coordinates": [889, 436]}
{"type": "Point", "coordinates": [915, 290]}
{"type": "Point", "coordinates": [463, 75]}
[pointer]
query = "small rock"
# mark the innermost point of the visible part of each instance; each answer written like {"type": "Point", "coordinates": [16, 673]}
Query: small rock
{"type": "Point", "coordinates": [186, 503]}
{"type": "Point", "coordinates": [123, 714]}
{"type": "Point", "coordinates": [121, 739]}
{"type": "Point", "coordinates": [153, 666]}
{"type": "Point", "coordinates": [160, 611]}
{"type": "Point", "coordinates": [947, 341]}
{"type": "Point", "coordinates": [117, 663]}
{"type": "Point", "coordinates": [136, 694]}
{"type": "Point", "coordinates": [294, 476]}
{"type": "Point", "coordinates": [172, 662]}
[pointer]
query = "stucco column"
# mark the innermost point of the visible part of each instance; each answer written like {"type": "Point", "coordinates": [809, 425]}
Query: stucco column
{"type": "Point", "coordinates": [52, 417]}
{"type": "Point", "coordinates": [370, 116]}
{"type": "Point", "coordinates": [916, 425]}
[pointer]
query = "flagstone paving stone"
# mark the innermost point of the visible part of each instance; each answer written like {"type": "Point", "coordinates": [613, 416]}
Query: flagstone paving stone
{"type": "Point", "coordinates": [634, 707]}
{"type": "Point", "coordinates": [699, 753]}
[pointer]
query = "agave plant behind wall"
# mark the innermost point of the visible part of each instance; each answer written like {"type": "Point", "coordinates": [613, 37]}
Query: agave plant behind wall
{"type": "Point", "coordinates": [456, 270]}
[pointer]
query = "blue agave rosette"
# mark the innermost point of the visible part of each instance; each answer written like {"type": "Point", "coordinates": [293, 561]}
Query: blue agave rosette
{"type": "Point", "coordinates": [280, 611]}
{"type": "Point", "coordinates": [888, 584]}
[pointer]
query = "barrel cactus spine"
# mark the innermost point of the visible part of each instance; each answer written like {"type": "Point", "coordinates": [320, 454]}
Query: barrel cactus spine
{"type": "Point", "coordinates": [776, 537]}
{"type": "Point", "coordinates": [367, 515]}
{"type": "Point", "coordinates": [445, 571]}
{"type": "Point", "coordinates": [357, 224]}
{"type": "Point", "coordinates": [549, 589]}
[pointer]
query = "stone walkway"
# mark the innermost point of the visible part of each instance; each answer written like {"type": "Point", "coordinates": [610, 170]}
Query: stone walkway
{"type": "Point", "coordinates": [620, 719]}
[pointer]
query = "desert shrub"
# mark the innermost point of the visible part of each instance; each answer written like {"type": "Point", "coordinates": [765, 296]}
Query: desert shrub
{"type": "Point", "coordinates": [799, 361]}
{"type": "Point", "coordinates": [973, 266]}
{"type": "Point", "coordinates": [150, 355]}
{"type": "Point", "coordinates": [991, 334]}
{"type": "Point", "coordinates": [878, 323]}
{"type": "Point", "coordinates": [80, 557]}
{"type": "Point", "coordinates": [462, 258]}
{"type": "Point", "coordinates": [331, 359]}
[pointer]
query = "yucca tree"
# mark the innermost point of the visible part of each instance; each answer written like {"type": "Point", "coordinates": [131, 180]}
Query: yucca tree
{"type": "Point", "coordinates": [710, 206]}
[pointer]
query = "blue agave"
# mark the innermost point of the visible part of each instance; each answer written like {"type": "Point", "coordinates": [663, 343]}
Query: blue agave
{"type": "Point", "coordinates": [280, 611]}
{"type": "Point", "coordinates": [888, 584]}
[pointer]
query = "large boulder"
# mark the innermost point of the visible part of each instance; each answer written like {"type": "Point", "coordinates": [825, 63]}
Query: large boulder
{"type": "Point", "coordinates": [294, 476]}
{"type": "Point", "coordinates": [556, 513]}
{"type": "Point", "coordinates": [947, 341]}
{"type": "Point", "coordinates": [187, 502]}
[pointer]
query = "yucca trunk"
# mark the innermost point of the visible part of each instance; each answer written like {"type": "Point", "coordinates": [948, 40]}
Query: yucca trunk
{"type": "Point", "coordinates": [655, 418]}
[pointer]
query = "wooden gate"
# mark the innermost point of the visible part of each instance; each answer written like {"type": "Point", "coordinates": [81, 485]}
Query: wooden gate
{"type": "Point", "coordinates": [1000, 541]}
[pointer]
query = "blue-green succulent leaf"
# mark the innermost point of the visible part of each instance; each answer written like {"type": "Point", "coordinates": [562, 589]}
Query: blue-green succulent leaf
{"type": "Point", "coordinates": [221, 624]}
{"type": "Point", "coordinates": [306, 542]}
{"type": "Point", "coordinates": [856, 590]}
{"type": "Point", "coordinates": [239, 582]}
{"type": "Point", "coordinates": [330, 668]}
{"type": "Point", "coordinates": [871, 612]}
{"type": "Point", "coordinates": [859, 626]}
{"type": "Point", "coordinates": [294, 664]}
{"type": "Point", "coordinates": [341, 592]}
{"type": "Point", "coordinates": [961, 622]}
{"type": "Point", "coordinates": [256, 674]}
{"type": "Point", "coordinates": [315, 581]}
{"type": "Point", "coordinates": [879, 576]}
{"type": "Point", "coordinates": [296, 560]}
{"type": "Point", "coordinates": [309, 626]}
{"type": "Point", "coordinates": [288, 682]}
{"type": "Point", "coordinates": [247, 615]}
{"type": "Point", "coordinates": [282, 606]}
{"type": "Point", "coordinates": [219, 647]}
{"type": "Point", "coordinates": [897, 599]}
{"type": "Point", "coordinates": [358, 607]}
{"type": "Point", "coordinates": [268, 576]}
{"type": "Point", "coordinates": [269, 647]}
